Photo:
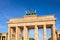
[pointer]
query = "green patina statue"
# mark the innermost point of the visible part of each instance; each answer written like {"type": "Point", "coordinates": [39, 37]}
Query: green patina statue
{"type": "Point", "coordinates": [31, 12]}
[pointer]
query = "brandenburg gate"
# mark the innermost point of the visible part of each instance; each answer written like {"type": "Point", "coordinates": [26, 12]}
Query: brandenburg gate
{"type": "Point", "coordinates": [31, 21]}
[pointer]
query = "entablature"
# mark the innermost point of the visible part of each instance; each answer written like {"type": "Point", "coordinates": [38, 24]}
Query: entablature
{"type": "Point", "coordinates": [32, 19]}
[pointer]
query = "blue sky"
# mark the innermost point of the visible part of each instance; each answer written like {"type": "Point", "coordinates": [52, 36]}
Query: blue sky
{"type": "Point", "coordinates": [16, 9]}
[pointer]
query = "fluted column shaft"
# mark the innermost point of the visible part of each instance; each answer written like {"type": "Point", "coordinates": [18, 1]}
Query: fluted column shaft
{"type": "Point", "coordinates": [5, 37]}
{"type": "Point", "coordinates": [1, 37]}
{"type": "Point", "coordinates": [25, 33]}
{"type": "Point", "coordinates": [53, 32]}
{"type": "Point", "coordinates": [16, 32]}
{"type": "Point", "coordinates": [36, 32]}
{"type": "Point", "coordinates": [44, 27]}
{"type": "Point", "coordinates": [20, 34]}
{"type": "Point", "coordinates": [9, 33]}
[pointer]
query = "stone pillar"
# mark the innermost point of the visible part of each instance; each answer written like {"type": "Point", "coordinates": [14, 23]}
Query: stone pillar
{"type": "Point", "coordinates": [16, 32]}
{"type": "Point", "coordinates": [44, 27]}
{"type": "Point", "coordinates": [1, 37]}
{"type": "Point", "coordinates": [36, 32]}
{"type": "Point", "coordinates": [20, 34]}
{"type": "Point", "coordinates": [26, 33]}
{"type": "Point", "coordinates": [5, 37]}
{"type": "Point", "coordinates": [53, 32]}
{"type": "Point", "coordinates": [9, 31]}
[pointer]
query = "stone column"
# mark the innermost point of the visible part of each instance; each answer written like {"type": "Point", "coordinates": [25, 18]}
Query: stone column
{"type": "Point", "coordinates": [1, 37]}
{"type": "Point", "coordinates": [36, 32]}
{"type": "Point", "coordinates": [5, 37]}
{"type": "Point", "coordinates": [44, 27]}
{"type": "Point", "coordinates": [20, 34]}
{"type": "Point", "coordinates": [25, 33]}
{"type": "Point", "coordinates": [16, 32]}
{"type": "Point", "coordinates": [9, 31]}
{"type": "Point", "coordinates": [53, 32]}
